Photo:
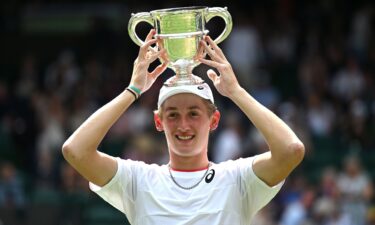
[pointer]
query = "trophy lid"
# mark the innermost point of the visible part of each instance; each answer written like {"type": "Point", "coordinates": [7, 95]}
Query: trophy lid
{"type": "Point", "coordinates": [178, 9]}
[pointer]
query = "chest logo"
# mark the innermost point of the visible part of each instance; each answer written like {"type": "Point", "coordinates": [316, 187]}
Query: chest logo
{"type": "Point", "coordinates": [210, 176]}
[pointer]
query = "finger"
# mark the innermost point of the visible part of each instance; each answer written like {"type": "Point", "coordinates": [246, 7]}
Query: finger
{"type": "Point", "coordinates": [211, 52]}
{"type": "Point", "coordinates": [145, 47]}
{"type": "Point", "coordinates": [153, 56]}
{"type": "Point", "coordinates": [160, 44]}
{"type": "Point", "coordinates": [159, 70]}
{"type": "Point", "coordinates": [148, 43]}
{"type": "Point", "coordinates": [163, 53]}
{"type": "Point", "coordinates": [207, 48]}
{"type": "Point", "coordinates": [163, 56]}
{"type": "Point", "coordinates": [150, 35]}
{"type": "Point", "coordinates": [200, 50]}
{"type": "Point", "coordinates": [214, 46]}
{"type": "Point", "coordinates": [209, 63]}
{"type": "Point", "coordinates": [212, 75]}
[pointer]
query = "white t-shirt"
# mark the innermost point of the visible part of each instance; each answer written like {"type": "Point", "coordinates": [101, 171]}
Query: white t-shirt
{"type": "Point", "coordinates": [230, 194]}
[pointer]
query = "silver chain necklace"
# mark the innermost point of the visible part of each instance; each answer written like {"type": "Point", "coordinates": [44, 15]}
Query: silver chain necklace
{"type": "Point", "coordinates": [191, 187]}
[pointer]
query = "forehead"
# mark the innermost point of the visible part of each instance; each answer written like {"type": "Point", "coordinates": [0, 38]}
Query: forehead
{"type": "Point", "coordinates": [184, 100]}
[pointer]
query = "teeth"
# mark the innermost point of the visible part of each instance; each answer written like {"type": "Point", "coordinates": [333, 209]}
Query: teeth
{"type": "Point", "coordinates": [185, 137]}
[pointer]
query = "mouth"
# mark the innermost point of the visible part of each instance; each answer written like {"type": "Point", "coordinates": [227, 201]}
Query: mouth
{"type": "Point", "coordinates": [184, 137]}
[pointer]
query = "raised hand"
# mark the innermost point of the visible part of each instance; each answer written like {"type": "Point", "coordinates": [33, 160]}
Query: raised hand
{"type": "Point", "coordinates": [141, 78]}
{"type": "Point", "coordinates": [226, 82]}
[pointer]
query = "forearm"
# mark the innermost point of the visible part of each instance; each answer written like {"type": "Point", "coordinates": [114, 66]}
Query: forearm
{"type": "Point", "coordinates": [279, 137]}
{"type": "Point", "coordinates": [88, 136]}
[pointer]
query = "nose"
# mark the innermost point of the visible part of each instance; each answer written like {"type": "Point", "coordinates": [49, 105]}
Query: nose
{"type": "Point", "coordinates": [184, 124]}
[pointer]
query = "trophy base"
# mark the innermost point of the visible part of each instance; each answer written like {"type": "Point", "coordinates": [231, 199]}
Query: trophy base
{"type": "Point", "coordinates": [179, 80]}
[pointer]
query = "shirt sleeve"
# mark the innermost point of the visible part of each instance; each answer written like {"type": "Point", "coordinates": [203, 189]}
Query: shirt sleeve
{"type": "Point", "coordinates": [120, 190]}
{"type": "Point", "coordinates": [256, 193]}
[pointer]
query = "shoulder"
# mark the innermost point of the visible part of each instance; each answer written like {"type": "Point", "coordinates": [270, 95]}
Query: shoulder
{"type": "Point", "coordinates": [236, 167]}
{"type": "Point", "coordinates": [139, 168]}
{"type": "Point", "coordinates": [237, 164]}
{"type": "Point", "coordinates": [138, 165]}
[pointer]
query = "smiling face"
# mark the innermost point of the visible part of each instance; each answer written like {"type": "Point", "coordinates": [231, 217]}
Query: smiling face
{"type": "Point", "coordinates": [187, 122]}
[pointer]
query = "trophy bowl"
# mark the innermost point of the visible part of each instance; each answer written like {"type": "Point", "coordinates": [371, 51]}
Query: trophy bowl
{"type": "Point", "coordinates": [179, 31]}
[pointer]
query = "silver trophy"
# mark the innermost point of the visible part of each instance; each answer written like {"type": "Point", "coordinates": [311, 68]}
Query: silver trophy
{"type": "Point", "coordinates": [179, 31]}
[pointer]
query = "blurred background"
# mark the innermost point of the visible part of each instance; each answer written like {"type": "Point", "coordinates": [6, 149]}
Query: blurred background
{"type": "Point", "coordinates": [311, 62]}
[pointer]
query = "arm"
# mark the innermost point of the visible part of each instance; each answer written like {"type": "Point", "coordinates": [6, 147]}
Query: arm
{"type": "Point", "coordinates": [80, 150]}
{"type": "Point", "coordinates": [286, 150]}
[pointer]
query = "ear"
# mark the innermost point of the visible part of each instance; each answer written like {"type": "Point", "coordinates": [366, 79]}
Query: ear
{"type": "Point", "coordinates": [215, 120]}
{"type": "Point", "coordinates": [158, 123]}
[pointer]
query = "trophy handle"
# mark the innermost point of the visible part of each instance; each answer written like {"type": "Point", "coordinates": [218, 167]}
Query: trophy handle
{"type": "Point", "coordinates": [224, 14]}
{"type": "Point", "coordinates": [133, 22]}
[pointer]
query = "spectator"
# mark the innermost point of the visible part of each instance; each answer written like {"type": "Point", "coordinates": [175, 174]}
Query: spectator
{"type": "Point", "coordinates": [12, 193]}
{"type": "Point", "coordinates": [355, 189]}
{"type": "Point", "coordinates": [297, 212]}
{"type": "Point", "coordinates": [348, 83]}
{"type": "Point", "coordinates": [228, 142]}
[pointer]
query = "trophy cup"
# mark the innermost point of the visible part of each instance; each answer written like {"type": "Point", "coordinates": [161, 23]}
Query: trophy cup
{"type": "Point", "coordinates": [179, 31]}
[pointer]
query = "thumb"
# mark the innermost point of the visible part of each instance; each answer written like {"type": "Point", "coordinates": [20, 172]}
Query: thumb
{"type": "Point", "coordinates": [212, 75]}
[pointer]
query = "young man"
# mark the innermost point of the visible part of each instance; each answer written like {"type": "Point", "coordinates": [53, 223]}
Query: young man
{"type": "Point", "coordinates": [190, 189]}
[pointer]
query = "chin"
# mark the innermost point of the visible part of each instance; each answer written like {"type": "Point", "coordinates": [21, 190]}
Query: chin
{"type": "Point", "coordinates": [186, 153]}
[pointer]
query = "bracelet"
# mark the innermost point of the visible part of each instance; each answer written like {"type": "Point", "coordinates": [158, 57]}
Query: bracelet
{"type": "Point", "coordinates": [136, 90]}
{"type": "Point", "coordinates": [132, 92]}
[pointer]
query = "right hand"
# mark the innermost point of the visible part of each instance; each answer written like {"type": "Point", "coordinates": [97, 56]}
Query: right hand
{"type": "Point", "coordinates": [141, 78]}
{"type": "Point", "coordinates": [226, 82]}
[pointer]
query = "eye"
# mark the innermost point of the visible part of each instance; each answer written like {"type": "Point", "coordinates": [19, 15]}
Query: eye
{"type": "Point", "coordinates": [172, 115]}
{"type": "Point", "coordinates": [194, 113]}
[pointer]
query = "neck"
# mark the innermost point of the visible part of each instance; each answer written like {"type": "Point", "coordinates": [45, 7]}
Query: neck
{"type": "Point", "coordinates": [189, 163]}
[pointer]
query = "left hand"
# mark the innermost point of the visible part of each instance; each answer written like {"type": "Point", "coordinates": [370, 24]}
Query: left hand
{"type": "Point", "coordinates": [226, 83]}
{"type": "Point", "coordinates": [141, 78]}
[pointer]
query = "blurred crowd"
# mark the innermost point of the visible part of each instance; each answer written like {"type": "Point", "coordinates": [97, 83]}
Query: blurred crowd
{"type": "Point", "coordinates": [310, 62]}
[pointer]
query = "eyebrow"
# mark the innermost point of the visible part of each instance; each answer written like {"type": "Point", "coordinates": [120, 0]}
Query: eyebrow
{"type": "Point", "coordinates": [175, 108]}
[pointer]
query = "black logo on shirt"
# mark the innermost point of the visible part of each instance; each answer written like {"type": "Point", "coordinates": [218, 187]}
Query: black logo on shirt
{"type": "Point", "coordinates": [210, 176]}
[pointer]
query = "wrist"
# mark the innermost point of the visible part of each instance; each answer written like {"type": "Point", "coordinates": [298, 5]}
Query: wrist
{"type": "Point", "coordinates": [135, 89]}
{"type": "Point", "coordinates": [136, 92]}
{"type": "Point", "coordinates": [236, 92]}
